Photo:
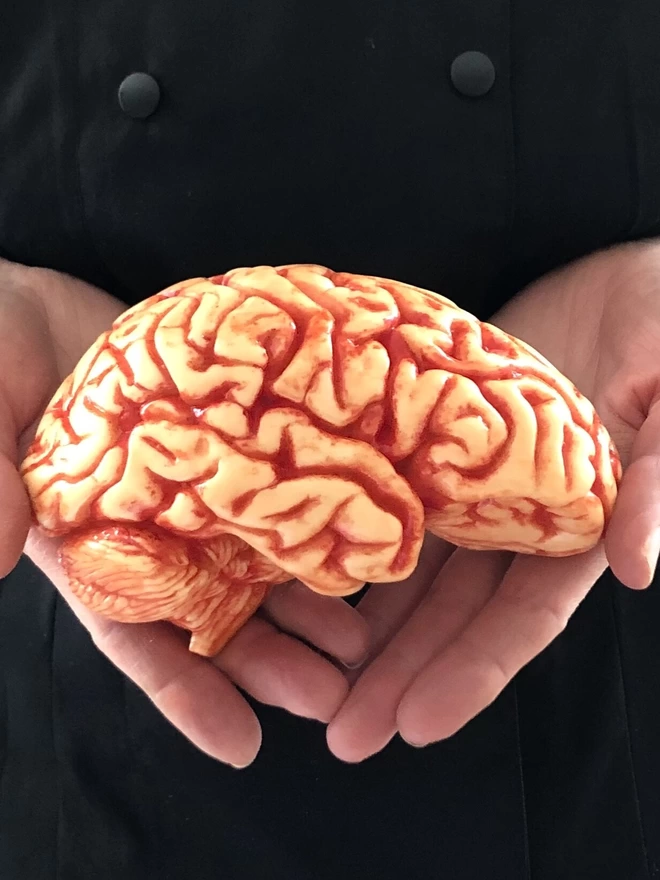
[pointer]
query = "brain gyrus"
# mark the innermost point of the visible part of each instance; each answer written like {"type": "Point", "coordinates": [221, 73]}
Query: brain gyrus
{"type": "Point", "coordinates": [235, 432]}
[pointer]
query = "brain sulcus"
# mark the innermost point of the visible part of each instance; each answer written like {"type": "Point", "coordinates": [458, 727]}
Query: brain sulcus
{"type": "Point", "coordinates": [235, 432]}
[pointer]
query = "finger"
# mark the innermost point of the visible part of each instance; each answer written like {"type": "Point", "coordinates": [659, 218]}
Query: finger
{"type": "Point", "coordinates": [189, 691]}
{"type": "Point", "coordinates": [274, 668]}
{"type": "Point", "coordinates": [633, 536]}
{"type": "Point", "coordinates": [15, 513]}
{"type": "Point", "coordinates": [386, 607]}
{"type": "Point", "coordinates": [327, 622]}
{"type": "Point", "coordinates": [14, 516]}
{"type": "Point", "coordinates": [531, 607]}
{"type": "Point", "coordinates": [278, 670]}
{"type": "Point", "coordinates": [367, 720]}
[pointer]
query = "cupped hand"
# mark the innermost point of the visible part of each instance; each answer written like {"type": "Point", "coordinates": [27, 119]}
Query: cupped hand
{"type": "Point", "coordinates": [47, 321]}
{"type": "Point", "coordinates": [452, 637]}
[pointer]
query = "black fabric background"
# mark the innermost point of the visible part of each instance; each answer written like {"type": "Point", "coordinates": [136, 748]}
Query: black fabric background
{"type": "Point", "coordinates": [329, 132]}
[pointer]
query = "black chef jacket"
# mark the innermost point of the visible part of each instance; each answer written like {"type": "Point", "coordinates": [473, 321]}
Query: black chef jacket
{"type": "Point", "coordinates": [354, 133]}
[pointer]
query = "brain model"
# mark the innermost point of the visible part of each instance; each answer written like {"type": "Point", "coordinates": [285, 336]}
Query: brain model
{"type": "Point", "coordinates": [236, 432]}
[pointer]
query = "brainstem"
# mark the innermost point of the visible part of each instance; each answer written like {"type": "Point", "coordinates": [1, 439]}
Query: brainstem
{"type": "Point", "coordinates": [324, 419]}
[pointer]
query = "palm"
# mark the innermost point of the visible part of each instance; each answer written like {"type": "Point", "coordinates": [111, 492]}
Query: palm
{"type": "Point", "coordinates": [468, 621]}
{"type": "Point", "coordinates": [599, 322]}
{"type": "Point", "coordinates": [47, 321]}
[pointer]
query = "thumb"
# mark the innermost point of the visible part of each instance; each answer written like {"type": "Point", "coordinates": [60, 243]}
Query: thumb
{"type": "Point", "coordinates": [14, 515]}
{"type": "Point", "coordinates": [15, 507]}
{"type": "Point", "coordinates": [632, 541]}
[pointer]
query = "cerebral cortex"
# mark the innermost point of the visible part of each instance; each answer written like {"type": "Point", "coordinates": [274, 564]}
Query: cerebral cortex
{"type": "Point", "coordinates": [267, 424]}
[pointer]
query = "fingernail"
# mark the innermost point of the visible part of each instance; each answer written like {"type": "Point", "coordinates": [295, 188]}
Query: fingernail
{"type": "Point", "coordinates": [352, 665]}
{"type": "Point", "coordinates": [355, 664]}
{"type": "Point", "coordinates": [239, 766]}
{"type": "Point", "coordinates": [415, 745]}
{"type": "Point", "coordinates": [651, 551]}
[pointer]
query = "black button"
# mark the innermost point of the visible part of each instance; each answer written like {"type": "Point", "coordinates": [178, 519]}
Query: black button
{"type": "Point", "coordinates": [139, 95]}
{"type": "Point", "coordinates": [473, 74]}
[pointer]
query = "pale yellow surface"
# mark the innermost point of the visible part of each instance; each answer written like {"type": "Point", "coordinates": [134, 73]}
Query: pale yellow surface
{"type": "Point", "coordinates": [325, 419]}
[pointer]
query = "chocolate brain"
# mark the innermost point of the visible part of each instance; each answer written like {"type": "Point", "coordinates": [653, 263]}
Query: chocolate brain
{"type": "Point", "coordinates": [238, 431]}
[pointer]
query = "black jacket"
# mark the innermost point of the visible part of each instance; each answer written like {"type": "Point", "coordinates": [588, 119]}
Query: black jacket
{"type": "Point", "coordinates": [345, 133]}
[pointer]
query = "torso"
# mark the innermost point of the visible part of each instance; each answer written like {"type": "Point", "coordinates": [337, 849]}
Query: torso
{"type": "Point", "coordinates": [329, 133]}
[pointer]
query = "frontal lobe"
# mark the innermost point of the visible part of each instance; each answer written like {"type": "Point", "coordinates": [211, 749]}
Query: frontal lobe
{"type": "Point", "coordinates": [324, 420]}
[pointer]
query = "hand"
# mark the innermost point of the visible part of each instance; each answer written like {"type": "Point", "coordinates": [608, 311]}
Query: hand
{"type": "Point", "coordinates": [466, 622]}
{"type": "Point", "coordinates": [47, 321]}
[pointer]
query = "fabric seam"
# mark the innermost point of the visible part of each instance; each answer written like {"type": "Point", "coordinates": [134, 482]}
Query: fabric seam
{"type": "Point", "coordinates": [56, 757]}
{"type": "Point", "coordinates": [630, 749]}
{"type": "Point", "coordinates": [67, 49]}
{"type": "Point", "coordinates": [521, 768]}
{"type": "Point", "coordinates": [634, 171]}
{"type": "Point", "coordinates": [513, 149]}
